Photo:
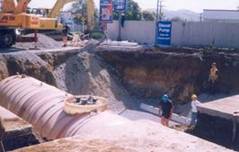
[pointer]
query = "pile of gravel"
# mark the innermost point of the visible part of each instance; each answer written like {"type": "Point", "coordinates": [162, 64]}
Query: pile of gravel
{"type": "Point", "coordinates": [44, 42]}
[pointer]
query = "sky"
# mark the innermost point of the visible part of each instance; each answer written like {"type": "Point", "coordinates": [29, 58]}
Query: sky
{"type": "Point", "coordinates": [193, 5]}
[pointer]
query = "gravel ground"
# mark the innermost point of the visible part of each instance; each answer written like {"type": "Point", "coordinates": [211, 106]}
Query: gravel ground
{"type": "Point", "coordinates": [44, 42]}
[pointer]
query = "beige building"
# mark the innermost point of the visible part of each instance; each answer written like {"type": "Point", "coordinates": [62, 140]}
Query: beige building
{"type": "Point", "coordinates": [220, 15]}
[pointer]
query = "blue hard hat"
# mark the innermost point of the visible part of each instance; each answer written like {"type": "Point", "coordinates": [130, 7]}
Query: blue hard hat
{"type": "Point", "coordinates": [165, 98]}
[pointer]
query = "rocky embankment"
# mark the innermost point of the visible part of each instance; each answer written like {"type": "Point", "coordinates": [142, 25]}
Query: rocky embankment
{"type": "Point", "coordinates": [148, 73]}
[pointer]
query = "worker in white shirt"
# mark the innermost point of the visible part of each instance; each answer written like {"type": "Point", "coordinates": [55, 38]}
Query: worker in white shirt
{"type": "Point", "coordinates": [194, 104]}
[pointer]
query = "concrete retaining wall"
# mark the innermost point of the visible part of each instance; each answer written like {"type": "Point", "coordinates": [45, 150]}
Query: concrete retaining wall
{"type": "Point", "coordinates": [201, 34]}
{"type": "Point", "coordinates": [136, 31]}
{"type": "Point", "coordinates": [192, 34]}
{"type": "Point", "coordinates": [217, 130]}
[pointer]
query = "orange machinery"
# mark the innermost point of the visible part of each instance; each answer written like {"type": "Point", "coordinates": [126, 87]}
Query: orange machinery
{"type": "Point", "coordinates": [13, 16]}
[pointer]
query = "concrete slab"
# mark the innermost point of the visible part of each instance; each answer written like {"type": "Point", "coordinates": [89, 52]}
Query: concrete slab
{"type": "Point", "coordinates": [175, 117]}
{"type": "Point", "coordinates": [16, 133]}
{"type": "Point", "coordinates": [147, 137]}
{"type": "Point", "coordinates": [224, 108]}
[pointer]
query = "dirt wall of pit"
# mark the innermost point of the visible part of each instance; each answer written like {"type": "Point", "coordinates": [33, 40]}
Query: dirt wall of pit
{"type": "Point", "coordinates": [148, 73]}
{"type": "Point", "coordinates": [76, 72]}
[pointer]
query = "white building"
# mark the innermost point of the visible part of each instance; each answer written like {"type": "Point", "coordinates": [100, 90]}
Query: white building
{"type": "Point", "coordinates": [220, 15]}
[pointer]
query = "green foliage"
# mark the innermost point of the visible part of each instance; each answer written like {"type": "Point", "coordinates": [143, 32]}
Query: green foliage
{"type": "Point", "coordinates": [148, 16]}
{"type": "Point", "coordinates": [97, 35]}
{"type": "Point", "coordinates": [177, 19]}
{"type": "Point", "coordinates": [133, 11]}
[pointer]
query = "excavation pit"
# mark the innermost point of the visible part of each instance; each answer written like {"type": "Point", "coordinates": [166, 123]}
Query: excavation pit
{"type": "Point", "coordinates": [123, 77]}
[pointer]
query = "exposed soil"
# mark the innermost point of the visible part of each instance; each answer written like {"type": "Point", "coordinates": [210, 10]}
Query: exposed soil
{"type": "Point", "coordinates": [148, 73]}
{"type": "Point", "coordinates": [127, 77]}
{"type": "Point", "coordinates": [87, 74]}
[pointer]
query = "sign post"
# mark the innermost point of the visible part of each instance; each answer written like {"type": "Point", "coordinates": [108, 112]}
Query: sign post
{"type": "Point", "coordinates": [120, 7]}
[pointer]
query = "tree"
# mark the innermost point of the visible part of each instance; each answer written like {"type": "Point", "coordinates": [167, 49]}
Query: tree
{"type": "Point", "coordinates": [148, 16]}
{"type": "Point", "coordinates": [79, 12]}
{"type": "Point", "coordinates": [133, 11]}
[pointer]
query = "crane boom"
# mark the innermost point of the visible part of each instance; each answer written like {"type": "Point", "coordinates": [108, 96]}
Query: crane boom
{"type": "Point", "coordinates": [22, 6]}
{"type": "Point", "coordinates": [90, 14]}
{"type": "Point", "coordinates": [57, 7]}
{"type": "Point", "coordinates": [9, 6]}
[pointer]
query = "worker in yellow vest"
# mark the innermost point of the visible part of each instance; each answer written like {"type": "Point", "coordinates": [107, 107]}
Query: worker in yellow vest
{"type": "Point", "coordinates": [213, 77]}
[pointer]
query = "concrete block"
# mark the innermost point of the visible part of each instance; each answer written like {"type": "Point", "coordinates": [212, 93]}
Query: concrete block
{"type": "Point", "coordinates": [15, 132]}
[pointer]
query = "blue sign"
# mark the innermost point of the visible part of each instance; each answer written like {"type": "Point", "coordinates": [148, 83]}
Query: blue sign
{"type": "Point", "coordinates": [164, 30]}
{"type": "Point", "coordinates": [120, 5]}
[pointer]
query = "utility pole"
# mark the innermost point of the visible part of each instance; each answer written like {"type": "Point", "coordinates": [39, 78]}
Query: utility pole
{"type": "Point", "coordinates": [159, 17]}
{"type": "Point", "coordinates": [119, 30]}
{"type": "Point", "coordinates": [157, 12]}
{"type": "Point", "coordinates": [160, 10]}
{"type": "Point", "coordinates": [156, 24]}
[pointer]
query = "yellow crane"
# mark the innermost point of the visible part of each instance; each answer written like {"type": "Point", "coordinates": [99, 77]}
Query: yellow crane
{"type": "Point", "coordinates": [13, 16]}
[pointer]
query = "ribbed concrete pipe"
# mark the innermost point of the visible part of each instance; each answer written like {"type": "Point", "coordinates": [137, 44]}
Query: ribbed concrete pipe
{"type": "Point", "coordinates": [42, 105]}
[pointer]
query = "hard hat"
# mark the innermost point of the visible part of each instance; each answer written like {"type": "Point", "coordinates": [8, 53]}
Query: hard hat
{"type": "Point", "coordinates": [165, 98]}
{"type": "Point", "coordinates": [194, 96]}
{"type": "Point", "coordinates": [214, 63]}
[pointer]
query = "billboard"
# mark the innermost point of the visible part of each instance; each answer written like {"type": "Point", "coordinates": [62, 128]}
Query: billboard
{"type": "Point", "coordinates": [105, 2]}
{"type": "Point", "coordinates": [106, 10]}
{"type": "Point", "coordinates": [120, 5]}
{"type": "Point", "coordinates": [163, 35]}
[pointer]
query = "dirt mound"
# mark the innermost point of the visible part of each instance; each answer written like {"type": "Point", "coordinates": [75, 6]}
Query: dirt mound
{"type": "Point", "coordinates": [26, 63]}
{"type": "Point", "coordinates": [44, 42]}
{"type": "Point", "coordinates": [79, 74]}
{"type": "Point", "coordinates": [87, 74]}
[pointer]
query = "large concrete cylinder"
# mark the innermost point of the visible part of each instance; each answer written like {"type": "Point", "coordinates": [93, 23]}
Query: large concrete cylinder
{"type": "Point", "coordinates": [41, 105]}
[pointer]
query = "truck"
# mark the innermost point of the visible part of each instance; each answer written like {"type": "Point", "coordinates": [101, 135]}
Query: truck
{"type": "Point", "coordinates": [14, 16]}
